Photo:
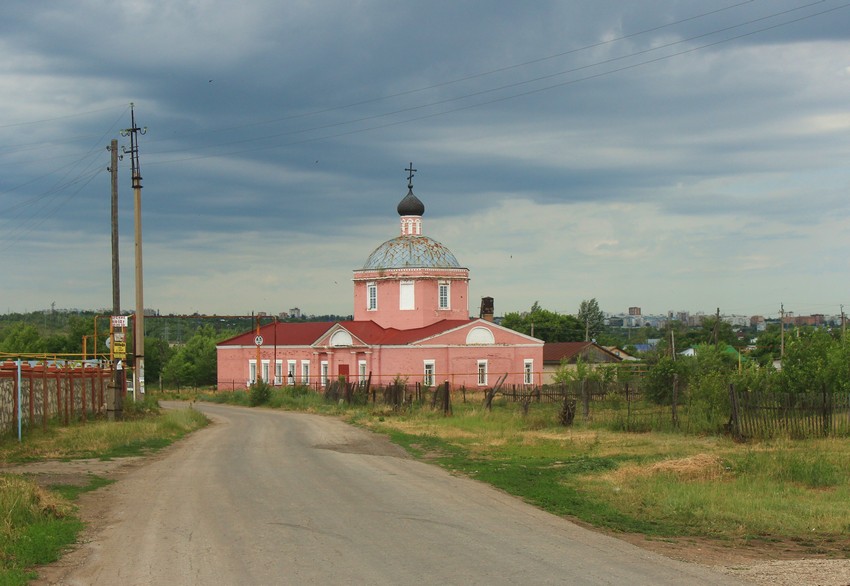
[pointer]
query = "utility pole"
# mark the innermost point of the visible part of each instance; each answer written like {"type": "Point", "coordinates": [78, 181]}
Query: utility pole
{"type": "Point", "coordinates": [843, 322]}
{"type": "Point", "coordinates": [113, 401]}
{"type": "Point", "coordinates": [716, 326]}
{"type": "Point", "coordinates": [781, 331]}
{"type": "Point", "coordinates": [139, 331]}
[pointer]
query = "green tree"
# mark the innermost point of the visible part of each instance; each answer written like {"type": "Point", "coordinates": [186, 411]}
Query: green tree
{"type": "Point", "coordinates": [546, 325]}
{"type": "Point", "coordinates": [815, 362]}
{"type": "Point", "coordinates": [194, 363]}
{"type": "Point", "coordinates": [157, 354]}
{"type": "Point", "coordinates": [22, 338]}
{"type": "Point", "coordinates": [768, 345]}
{"type": "Point", "coordinates": [591, 318]}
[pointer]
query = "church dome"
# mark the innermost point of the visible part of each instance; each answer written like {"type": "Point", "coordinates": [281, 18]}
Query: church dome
{"type": "Point", "coordinates": [411, 252]}
{"type": "Point", "coordinates": [410, 205]}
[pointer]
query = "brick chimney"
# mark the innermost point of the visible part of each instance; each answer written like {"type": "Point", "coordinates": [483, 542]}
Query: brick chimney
{"type": "Point", "coordinates": [486, 309]}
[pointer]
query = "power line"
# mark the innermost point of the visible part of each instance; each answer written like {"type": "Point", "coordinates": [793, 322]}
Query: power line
{"type": "Point", "coordinates": [483, 73]}
{"type": "Point", "coordinates": [516, 84]}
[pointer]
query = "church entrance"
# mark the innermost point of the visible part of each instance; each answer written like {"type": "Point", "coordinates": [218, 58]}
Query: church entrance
{"type": "Point", "coordinates": [342, 371]}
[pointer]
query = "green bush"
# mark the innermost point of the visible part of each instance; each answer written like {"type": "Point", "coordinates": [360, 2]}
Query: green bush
{"type": "Point", "coordinates": [260, 393]}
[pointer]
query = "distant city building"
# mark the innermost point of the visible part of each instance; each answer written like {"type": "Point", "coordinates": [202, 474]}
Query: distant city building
{"type": "Point", "coordinates": [295, 313]}
{"type": "Point", "coordinates": [634, 311]}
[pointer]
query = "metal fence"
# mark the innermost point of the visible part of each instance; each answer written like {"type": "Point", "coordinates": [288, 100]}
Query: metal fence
{"type": "Point", "coordinates": [50, 391]}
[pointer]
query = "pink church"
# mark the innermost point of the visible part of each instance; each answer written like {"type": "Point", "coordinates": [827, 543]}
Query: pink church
{"type": "Point", "coordinates": [411, 321]}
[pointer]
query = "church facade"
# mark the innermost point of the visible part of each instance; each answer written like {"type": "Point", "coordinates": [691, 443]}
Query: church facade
{"type": "Point", "coordinates": [411, 322]}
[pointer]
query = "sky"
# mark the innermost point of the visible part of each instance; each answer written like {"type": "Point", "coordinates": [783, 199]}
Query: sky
{"type": "Point", "coordinates": [665, 154]}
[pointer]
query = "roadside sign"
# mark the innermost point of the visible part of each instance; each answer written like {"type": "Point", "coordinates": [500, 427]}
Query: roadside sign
{"type": "Point", "coordinates": [119, 321]}
{"type": "Point", "coordinates": [258, 340]}
{"type": "Point", "coordinates": [120, 350]}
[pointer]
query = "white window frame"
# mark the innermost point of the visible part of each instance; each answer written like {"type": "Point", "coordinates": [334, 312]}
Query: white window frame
{"type": "Point", "coordinates": [290, 372]}
{"type": "Point", "coordinates": [252, 372]}
{"type": "Point", "coordinates": [266, 367]}
{"type": "Point", "coordinates": [406, 295]}
{"type": "Point", "coordinates": [429, 372]}
{"type": "Point", "coordinates": [278, 372]}
{"type": "Point", "coordinates": [482, 373]}
{"type": "Point", "coordinates": [444, 301]}
{"type": "Point", "coordinates": [528, 371]}
{"type": "Point", "coordinates": [371, 296]}
{"type": "Point", "coordinates": [361, 371]}
{"type": "Point", "coordinates": [324, 369]}
{"type": "Point", "coordinates": [305, 372]}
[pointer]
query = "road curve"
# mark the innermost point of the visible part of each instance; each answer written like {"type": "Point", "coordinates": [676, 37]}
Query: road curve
{"type": "Point", "coordinates": [271, 497]}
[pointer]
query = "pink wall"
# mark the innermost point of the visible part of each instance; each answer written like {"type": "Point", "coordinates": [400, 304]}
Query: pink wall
{"type": "Point", "coordinates": [453, 359]}
{"type": "Point", "coordinates": [426, 300]}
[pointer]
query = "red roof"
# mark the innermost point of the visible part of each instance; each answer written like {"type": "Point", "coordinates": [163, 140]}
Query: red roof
{"type": "Point", "coordinates": [557, 351]}
{"type": "Point", "coordinates": [308, 333]}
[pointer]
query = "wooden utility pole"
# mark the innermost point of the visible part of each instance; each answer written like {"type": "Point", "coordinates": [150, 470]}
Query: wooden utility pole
{"type": "Point", "coordinates": [716, 327]}
{"type": "Point", "coordinates": [113, 400]}
{"type": "Point", "coordinates": [781, 331]}
{"type": "Point", "coordinates": [139, 329]}
{"type": "Point", "coordinates": [843, 322]}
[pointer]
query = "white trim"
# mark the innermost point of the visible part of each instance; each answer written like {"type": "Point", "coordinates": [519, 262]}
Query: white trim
{"type": "Point", "coordinates": [278, 372]}
{"type": "Point", "coordinates": [482, 373]}
{"type": "Point", "coordinates": [305, 372]}
{"type": "Point", "coordinates": [448, 296]}
{"type": "Point", "coordinates": [406, 295]}
{"type": "Point", "coordinates": [361, 371]}
{"type": "Point", "coordinates": [290, 372]}
{"type": "Point", "coordinates": [324, 369]}
{"type": "Point", "coordinates": [528, 371]}
{"type": "Point", "coordinates": [371, 296]}
{"type": "Point", "coordinates": [429, 376]}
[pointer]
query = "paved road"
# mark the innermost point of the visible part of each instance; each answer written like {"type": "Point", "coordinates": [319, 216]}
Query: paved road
{"type": "Point", "coordinates": [269, 497]}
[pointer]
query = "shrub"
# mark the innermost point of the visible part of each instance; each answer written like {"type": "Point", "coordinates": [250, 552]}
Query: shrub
{"type": "Point", "coordinates": [260, 393]}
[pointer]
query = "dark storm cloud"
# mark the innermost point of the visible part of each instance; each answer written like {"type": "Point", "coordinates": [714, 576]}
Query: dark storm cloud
{"type": "Point", "coordinates": [287, 126]}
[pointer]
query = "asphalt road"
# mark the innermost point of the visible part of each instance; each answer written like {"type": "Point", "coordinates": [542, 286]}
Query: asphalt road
{"type": "Point", "coordinates": [269, 497]}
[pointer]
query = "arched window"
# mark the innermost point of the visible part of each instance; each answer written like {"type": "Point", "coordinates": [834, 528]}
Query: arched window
{"type": "Point", "coordinates": [341, 338]}
{"type": "Point", "coordinates": [480, 335]}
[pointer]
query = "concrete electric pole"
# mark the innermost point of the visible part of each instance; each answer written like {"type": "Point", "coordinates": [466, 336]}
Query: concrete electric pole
{"type": "Point", "coordinates": [139, 329]}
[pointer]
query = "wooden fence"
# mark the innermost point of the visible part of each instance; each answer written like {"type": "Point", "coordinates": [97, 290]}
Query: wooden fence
{"type": "Point", "coordinates": [624, 406]}
{"type": "Point", "coordinates": [771, 414]}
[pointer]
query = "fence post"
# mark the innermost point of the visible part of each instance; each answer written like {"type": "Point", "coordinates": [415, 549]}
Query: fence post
{"type": "Point", "coordinates": [674, 406]}
{"type": "Point", "coordinates": [827, 411]}
{"type": "Point", "coordinates": [628, 407]}
{"type": "Point", "coordinates": [585, 398]}
{"type": "Point", "coordinates": [734, 419]}
{"type": "Point", "coordinates": [447, 402]}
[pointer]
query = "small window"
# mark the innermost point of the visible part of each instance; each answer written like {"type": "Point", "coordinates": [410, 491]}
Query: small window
{"type": "Point", "coordinates": [482, 372]}
{"type": "Point", "coordinates": [428, 377]}
{"type": "Point", "coordinates": [290, 372]}
{"type": "Point", "coordinates": [252, 371]}
{"type": "Point", "coordinates": [528, 372]}
{"type": "Point", "coordinates": [444, 295]}
{"type": "Point", "coordinates": [305, 372]}
{"type": "Point", "coordinates": [324, 373]}
{"type": "Point", "coordinates": [266, 366]}
{"type": "Point", "coordinates": [371, 296]}
{"type": "Point", "coordinates": [278, 372]}
{"type": "Point", "coordinates": [361, 370]}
